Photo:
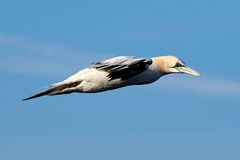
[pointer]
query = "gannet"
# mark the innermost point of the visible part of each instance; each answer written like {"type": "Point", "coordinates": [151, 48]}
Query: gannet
{"type": "Point", "coordinates": [118, 72]}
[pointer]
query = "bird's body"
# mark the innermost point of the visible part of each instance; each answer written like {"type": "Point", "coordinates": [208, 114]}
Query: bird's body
{"type": "Point", "coordinates": [96, 78]}
{"type": "Point", "coordinates": [118, 72]}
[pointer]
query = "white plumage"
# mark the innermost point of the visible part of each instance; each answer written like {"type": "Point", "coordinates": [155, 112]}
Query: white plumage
{"type": "Point", "coordinates": [118, 72]}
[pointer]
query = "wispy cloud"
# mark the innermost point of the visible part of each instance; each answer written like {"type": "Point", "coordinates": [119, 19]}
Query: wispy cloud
{"type": "Point", "coordinates": [204, 85]}
{"type": "Point", "coordinates": [23, 56]}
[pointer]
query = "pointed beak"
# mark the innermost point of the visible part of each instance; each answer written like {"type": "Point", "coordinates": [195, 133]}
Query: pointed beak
{"type": "Point", "coordinates": [188, 70]}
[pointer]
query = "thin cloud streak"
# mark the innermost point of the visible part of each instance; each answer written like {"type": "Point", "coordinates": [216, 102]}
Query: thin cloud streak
{"type": "Point", "coordinates": [203, 85]}
{"type": "Point", "coordinates": [23, 56]}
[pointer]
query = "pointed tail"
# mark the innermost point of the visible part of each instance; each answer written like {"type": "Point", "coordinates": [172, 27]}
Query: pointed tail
{"type": "Point", "coordinates": [61, 89]}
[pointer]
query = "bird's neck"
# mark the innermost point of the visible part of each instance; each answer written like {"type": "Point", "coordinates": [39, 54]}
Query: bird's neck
{"type": "Point", "coordinates": [159, 66]}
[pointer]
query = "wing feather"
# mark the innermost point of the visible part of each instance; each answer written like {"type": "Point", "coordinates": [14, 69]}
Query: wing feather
{"type": "Point", "coordinates": [123, 67]}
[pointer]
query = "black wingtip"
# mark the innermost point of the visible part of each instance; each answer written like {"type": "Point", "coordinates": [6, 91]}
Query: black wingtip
{"type": "Point", "coordinates": [25, 99]}
{"type": "Point", "coordinates": [54, 91]}
{"type": "Point", "coordinates": [44, 93]}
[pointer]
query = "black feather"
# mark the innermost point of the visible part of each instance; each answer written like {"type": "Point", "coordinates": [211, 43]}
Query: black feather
{"type": "Point", "coordinates": [55, 90]}
{"type": "Point", "coordinates": [124, 69]}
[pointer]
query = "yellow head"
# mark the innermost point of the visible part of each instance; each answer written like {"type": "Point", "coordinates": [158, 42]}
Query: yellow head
{"type": "Point", "coordinates": [172, 64]}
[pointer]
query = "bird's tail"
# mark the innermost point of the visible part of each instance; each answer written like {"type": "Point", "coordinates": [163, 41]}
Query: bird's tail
{"type": "Point", "coordinates": [61, 89]}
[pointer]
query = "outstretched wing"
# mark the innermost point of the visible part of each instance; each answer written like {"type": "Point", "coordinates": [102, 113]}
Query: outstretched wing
{"type": "Point", "coordinates": [123, 67]}
{"type": "Point", "coordinates": [61, 89]}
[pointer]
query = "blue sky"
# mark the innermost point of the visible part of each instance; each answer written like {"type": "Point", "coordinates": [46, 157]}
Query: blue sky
{"type": "Point", "coordinates": [178, 117]}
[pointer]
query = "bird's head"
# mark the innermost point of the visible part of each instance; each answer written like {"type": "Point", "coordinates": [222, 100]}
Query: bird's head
{"type": "Point", "coordinates": [172, 64]}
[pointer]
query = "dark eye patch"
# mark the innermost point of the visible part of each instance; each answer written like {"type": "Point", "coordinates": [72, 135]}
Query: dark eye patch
{"type": "Point", "coordinates": [178, 65]}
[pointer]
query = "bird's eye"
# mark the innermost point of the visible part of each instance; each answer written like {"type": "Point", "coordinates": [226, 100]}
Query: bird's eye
{"type": "Point", "coordinates": [178, 65]}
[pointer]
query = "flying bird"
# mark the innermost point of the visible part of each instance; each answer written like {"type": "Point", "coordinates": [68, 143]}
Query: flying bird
{"type": "Point", "coordinates": [118, 72]}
